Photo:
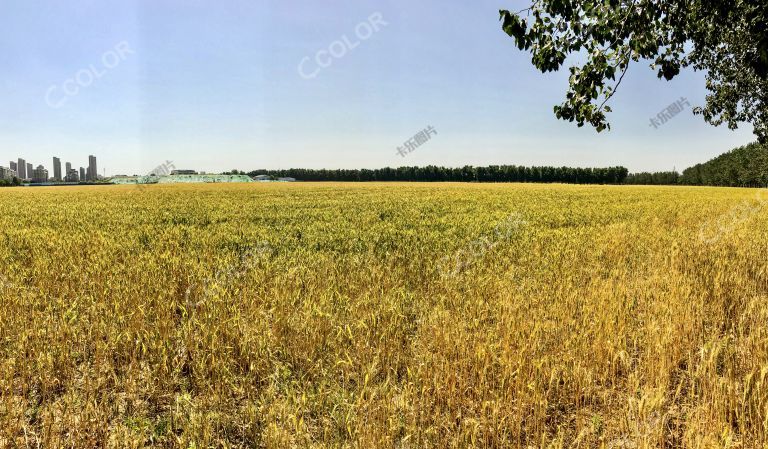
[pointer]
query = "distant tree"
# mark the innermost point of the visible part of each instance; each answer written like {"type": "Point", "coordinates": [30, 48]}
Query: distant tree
{"type": "Point", "coordinates": [726, 38]}
{"type": "Point", "coordinates": [658, 178]}
{"type": "Point", "coordinates": [10, 182]}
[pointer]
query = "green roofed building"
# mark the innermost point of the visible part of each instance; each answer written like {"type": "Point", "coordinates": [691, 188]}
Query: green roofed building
{"type": "Point", "coordinates": [203, 178]}
{"type": "Point", "coordinates": [134, 180]}
{"type": "Point", "coordinates": [174, 179]}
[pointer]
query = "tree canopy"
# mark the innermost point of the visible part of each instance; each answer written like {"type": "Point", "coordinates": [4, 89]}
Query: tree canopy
{"type": "Point", "coordinates": [745, 166]}
{"type": "Point", "coordinates": [728, 39]}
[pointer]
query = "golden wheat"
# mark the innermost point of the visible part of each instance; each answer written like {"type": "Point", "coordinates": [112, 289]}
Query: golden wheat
{"type": "Point", "coordinates": [383, 316]}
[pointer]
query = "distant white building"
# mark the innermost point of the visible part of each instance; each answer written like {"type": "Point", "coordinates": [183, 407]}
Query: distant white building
{"type": "Point", "coordinates": [262, 178]}
{"type": "Point", "coordinates": [287, 179]}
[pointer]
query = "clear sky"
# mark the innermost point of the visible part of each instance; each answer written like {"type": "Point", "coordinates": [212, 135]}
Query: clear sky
{"type": "Point", "coordinates": [216, 85]}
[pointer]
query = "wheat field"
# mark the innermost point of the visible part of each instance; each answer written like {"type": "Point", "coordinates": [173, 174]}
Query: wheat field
{"type": "Point", "coordinates": [383, 316]}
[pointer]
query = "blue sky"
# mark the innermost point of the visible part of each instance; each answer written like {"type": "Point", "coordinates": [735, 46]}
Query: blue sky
{"type": "Point", "coordinates": [216, 85]}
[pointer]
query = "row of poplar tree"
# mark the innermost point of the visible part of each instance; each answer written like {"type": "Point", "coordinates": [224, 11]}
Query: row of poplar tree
{"type": "Point", "coordinates": [493, 173]}
{"type": "Point", "coordinates": [745, 166]}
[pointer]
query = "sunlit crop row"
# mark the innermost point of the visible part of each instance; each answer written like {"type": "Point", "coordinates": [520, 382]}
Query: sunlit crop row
{"type": "Point", "coordinates": [383, 316]}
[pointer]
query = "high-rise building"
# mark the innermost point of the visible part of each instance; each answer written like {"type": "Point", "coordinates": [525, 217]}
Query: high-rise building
{"type": "Point", "coordinates": [22, 168]}
{"type": "Point", "coordinates": [29, 170]}
{"type": "Point", "coordinates": [7, 174]}
{"type": "Point", "coordinates": [82, 174]}
{"type": "Point", "coordinates": [13, 166]}
{"type": "Point", "coordinates": [40, 174]}
{"type": "Point", "coordinates": [71, 174]}
{"type": "Point", "coordinates": [56, 169]}
{"type": "Point", "coordinates": [93, 172]}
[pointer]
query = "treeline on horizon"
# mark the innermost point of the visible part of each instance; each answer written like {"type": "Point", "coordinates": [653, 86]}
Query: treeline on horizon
{"type": "Point", "coordinates": [431, 173]}
{"type": "Point", "coordinates": [15, 182]}
{"type": "Point", "coordinates": [745, 166]}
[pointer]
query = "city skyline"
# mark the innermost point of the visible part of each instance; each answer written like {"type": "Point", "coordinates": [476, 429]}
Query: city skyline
{"type": "Point", "coordinates": [27, 172]}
